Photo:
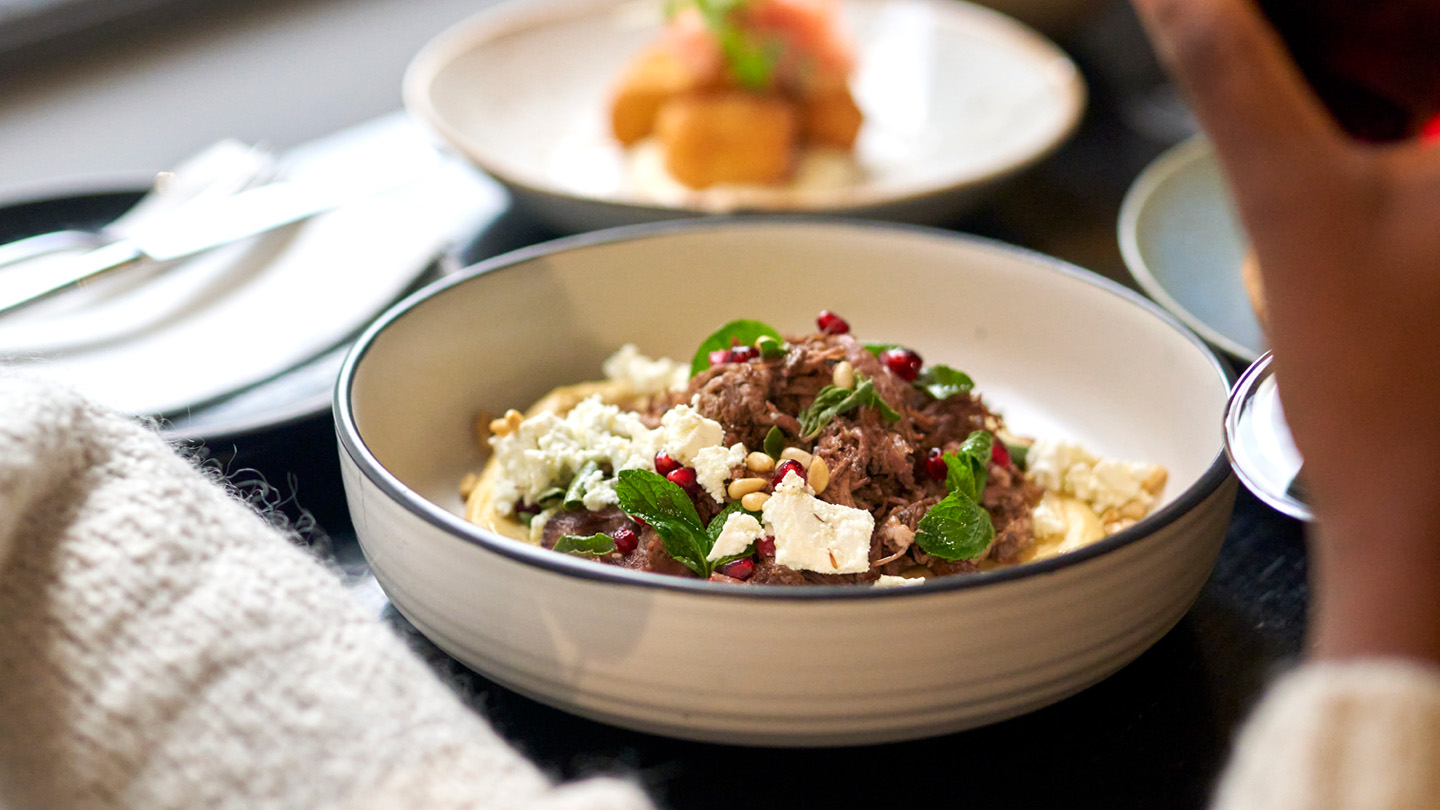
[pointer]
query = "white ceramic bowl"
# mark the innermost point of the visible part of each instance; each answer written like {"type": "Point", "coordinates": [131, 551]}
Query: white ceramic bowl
{"type": "Point", "coordinates": [1058, 350]}
{"type": "Point", "coordinates": [956, 96]}
{"type": "Point", "coordinates": [1183, 243]}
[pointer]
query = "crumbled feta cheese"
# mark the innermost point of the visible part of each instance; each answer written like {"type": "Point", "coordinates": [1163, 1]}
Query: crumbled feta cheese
{"type": "Point", "coordinates": [643, 375]}
{"type": "Point", "coordinates": [888, 581]}
{"type": "Point", "coordinates": [1048, 516]}
{"type": "Point", "coordinates": [713, 465]}
{"type": "Point", "coordinates": [1103, 483]}
{"type": "Point", "coordinates": [813, 535]}
{"type": "Point", "coordinates": [684, 433]}
{"type": "Point", "coordinates": [740, 530]}
{"type": "Point", "coordinates": [547, 448]}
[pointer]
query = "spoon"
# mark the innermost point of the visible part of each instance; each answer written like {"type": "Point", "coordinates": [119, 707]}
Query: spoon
{"type": "Point", "coordinates": [1258, 441]}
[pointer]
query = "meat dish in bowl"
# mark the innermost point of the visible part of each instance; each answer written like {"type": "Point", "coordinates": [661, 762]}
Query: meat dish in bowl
{"type": "Point", "coordinates": [1057, 351]}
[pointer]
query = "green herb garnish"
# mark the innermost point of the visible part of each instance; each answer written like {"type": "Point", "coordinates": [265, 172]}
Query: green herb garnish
{"type": "Point", "coordinates": [775, 442]}
{"type": "Point", "coordinates": [771, 347]}
{"type": "Point", "coordinates": [1019, 455]}
{"type": "Point", "coordinates": [596, 545]}
{"type": "Point", "coordinates": [575, 493]}
{"type": "Point", "coordinates": [717, 525]}
{"type": "Point", "coordinates": [751, 61]}
{"type": "Point", "coordinates": [876, 348]}
{"type": "Point", "coordinates": [669, 511]}
{"type": "Point", "coordinates": [943, 382]}
{"type": "Point", "coordinates": [832, 401]}
{"type": "Point", "coordinates": [741, 332]}
{"type": "Point", "coordinates": [968, 470]}
{"type": "Point", "coordinates": [958, 527]}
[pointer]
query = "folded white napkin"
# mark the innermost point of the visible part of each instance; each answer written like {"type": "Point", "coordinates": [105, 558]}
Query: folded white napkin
{"type": "Point", "coordinates": [162, 646]}
{"type": "Point", "coordinates": [167, 339]}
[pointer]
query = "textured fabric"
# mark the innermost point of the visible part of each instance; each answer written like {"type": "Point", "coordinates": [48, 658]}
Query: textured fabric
{"type": "Point", "coordinates": [162, 646]}
{"type": "Point", "coordinates": [1361, 735]}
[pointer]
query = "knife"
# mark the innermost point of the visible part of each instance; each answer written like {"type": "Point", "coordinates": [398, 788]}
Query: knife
{"type": "Point", "coordinates": [193, 228]}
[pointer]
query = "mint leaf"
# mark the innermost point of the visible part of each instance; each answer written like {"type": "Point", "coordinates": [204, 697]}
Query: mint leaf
{"type": "Point", "coordinates": [717, 525]}
{"type": "Point", "coordinates": [575, 493]}
{"type": "Point", "coordinates": [775, 442]}
{"type": "Point", "coordinates": [960, 477]}
{"type": "Point", "coordinates": [956, 528]}
{"type": "Point", "coordinates": [829, 403]}
{"type": "Point", "coordinates": [832, 401]}
{"type": "Point", "coordinates": [968, 470]}
{"type": "Point", "coordinates": [668, 510]}
{"type": "Point", "coordinates": [876, 348]}
{"type": "Point", "coordinates": [771, 347]}
{"type": "Point", "coordinates": [943, 382]}
{"type": "Point", "coordinates": [1019, 455]}
{"type": "Point", "coordinates": [596, 545]}
{"type": "Point", "coordinates": [751, 62]}
{"type": "Point", "coordinates": [741, 332]}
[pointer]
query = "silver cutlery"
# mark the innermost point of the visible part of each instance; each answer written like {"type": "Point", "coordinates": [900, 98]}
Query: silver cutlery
{"type": "Point", "coordinates": [194, 227]}
{"type": "Point", "coordinates": [219, 170]}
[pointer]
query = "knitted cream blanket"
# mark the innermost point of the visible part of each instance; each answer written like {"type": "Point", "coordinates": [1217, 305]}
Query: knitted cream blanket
{"type": "Point", "coordinates": [161, 646]}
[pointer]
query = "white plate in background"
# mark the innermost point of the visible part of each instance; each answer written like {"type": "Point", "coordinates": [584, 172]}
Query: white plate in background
{"type": "Point", "coordinates": [956, 97]}
{"type": "Point", "coordinates": [1183, 244]}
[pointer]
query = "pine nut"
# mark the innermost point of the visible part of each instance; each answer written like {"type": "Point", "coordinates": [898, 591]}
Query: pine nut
{"type": "Point", "coordinates": [507, 424]}
{"type": "Point", "coordinates": [819, 476]}
{"type": "Point", "coordinates": [844, 375]}
{"type": "Point", "coordinates": [759, 462]}
{"type": "Point", "coordinates": [741, 487]}
{"type": "Point", "coordinates": [1155, 481]}
{"type": "Point", "coordinates": [796, 454]}
{"type": "Point", "coordinates": [467, 484]}
{"type": "Point", "coordinates": [755, 501]}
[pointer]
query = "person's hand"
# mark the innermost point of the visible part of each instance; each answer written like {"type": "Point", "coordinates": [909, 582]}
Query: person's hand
{"type": "Point", "coordinates": [1348, 240]}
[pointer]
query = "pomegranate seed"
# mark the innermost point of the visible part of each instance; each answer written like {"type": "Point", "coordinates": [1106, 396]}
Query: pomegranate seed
{"type": "Point", "coordinates": [786, 467]}
{"type": "Point", "coordinates": [665, 464]}
{"type": "Point", "coordinates": [741, 354]}
{"type": "Point", "coordinates": [683, 477]}
{"type": "Point", "coordinates": [738, 569]}
{"type": "Point", "coordinates": [905, 363]}
{"type": "Point", "coordinates": [1000, 454]}
{"type": "Point", "coordinates": [765, 546]}
{"type": "Point", "coordinates": [719, 356]}
{"type": "Point", "coordinates": [831, 324]}
{"type": "Point", "coordinates": [625, 539]}
{"type": "Point", "coordinates": [935, 464]}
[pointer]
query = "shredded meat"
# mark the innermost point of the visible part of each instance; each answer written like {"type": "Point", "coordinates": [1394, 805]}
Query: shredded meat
{"type": "Point", "coordinates": [874, 464]}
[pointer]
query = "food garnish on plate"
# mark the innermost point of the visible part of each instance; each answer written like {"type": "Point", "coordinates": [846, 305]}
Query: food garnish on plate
{"type": "Point", "coordinates": [816, 458]}
{"type": "Point", "coordinates": [737, 91]}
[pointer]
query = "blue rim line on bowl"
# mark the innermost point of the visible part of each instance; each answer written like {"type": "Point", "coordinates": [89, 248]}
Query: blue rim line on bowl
{"type": "Point", "coordinates": [348, 433]}
{"type": "Point", "coordinates": [1146, 183]}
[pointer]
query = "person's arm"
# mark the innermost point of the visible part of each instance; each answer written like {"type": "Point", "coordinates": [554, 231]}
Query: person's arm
{"type": "Point", "coordinates": [1348, 240]}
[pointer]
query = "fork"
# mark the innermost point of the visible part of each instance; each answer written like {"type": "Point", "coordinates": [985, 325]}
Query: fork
{"type": "Point", "coordinates": [220, 169]}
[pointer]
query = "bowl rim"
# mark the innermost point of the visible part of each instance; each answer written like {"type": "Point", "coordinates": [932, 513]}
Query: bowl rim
{"type": "Point", "coordinates": [511, 16]}
{"type": "Point", "coordinates": [1194, 149]}
{"type": "Point", "coordinates": [456, 527]}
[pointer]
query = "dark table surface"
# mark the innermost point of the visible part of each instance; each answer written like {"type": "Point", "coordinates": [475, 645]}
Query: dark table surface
{"type": "Point", "coordinates": [1154, 735]}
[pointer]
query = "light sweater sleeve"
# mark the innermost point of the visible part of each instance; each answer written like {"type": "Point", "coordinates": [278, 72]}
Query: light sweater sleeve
{"type": "Point", "coordinates": [1359, 735]}
{"type": "Point", "coordinates": [163, 646]}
